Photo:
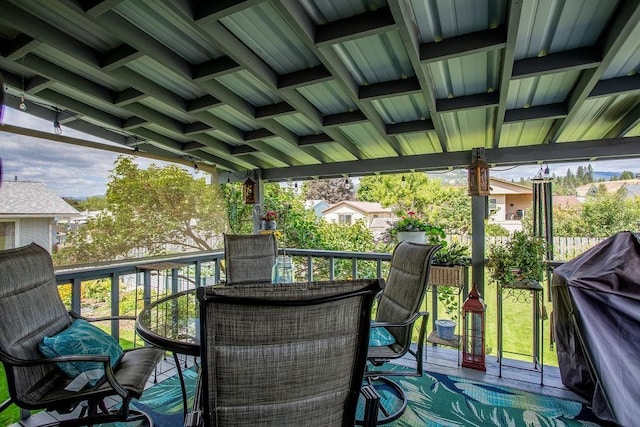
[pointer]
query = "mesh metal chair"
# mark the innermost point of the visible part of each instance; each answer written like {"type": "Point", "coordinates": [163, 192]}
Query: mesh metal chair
{"type": "Point", "coordinates": [249, 257]}
{"type": "Point", "coordinates": [31, 309]}
{"type": "Point", "coordinates": [398, 310]}
{"type": "Point", "coordinates": [285, 355]}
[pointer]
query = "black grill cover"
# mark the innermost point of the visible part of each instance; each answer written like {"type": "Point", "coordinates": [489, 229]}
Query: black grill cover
{"type": "Point", "coordinates": [596, 300]}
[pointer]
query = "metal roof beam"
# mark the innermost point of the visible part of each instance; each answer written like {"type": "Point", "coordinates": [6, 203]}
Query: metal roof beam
{"type": "Point", "coordinates": [298, 19]}
{"type": "Point", "coordinates": [315, 139]}
{"type": "Point", "coordinates": [406, 86]}
{"type": "Point", "coordinates": [354, 27]}
{"type": "Point", "coordinates": [466, 44]}
{"type": "Point", "coordinates": [480, 100]}
{"type": "Point", "coordinates": [305, 77]}
{"type": "Point", "coordinates": [119, 57]}
{"type": "Point", "coordinates": [616, 86]}
{"type": "Point", "coordinates": [569, 151]}
{"type": "Point", "coordinates": [408, 32]}
{"type": "Point", "coordinates": [209, 11]}
{"type": "Point", "coordinates": [506, 67]}
{"type": "Point", "coordinates": [569, 60]}
{"type": "Point", "coordinates": [539, 112]}
{"type": "Point", "coordinates": [620, 28]}
{"type": "Point", "coordinates": [258, 134]}
{"type": "Point", "coordinates": [346, 118]}
{"type": "Point", "coordinates": [274, 110]}
{"type": "Point", "coordinates": [626, 125]}
{"type": "Point", "coordinates": [415, 126]}
{"type": "Point", "coordinates": [215, 68]}
{"type": "Point", "coordinates": [202, 103]}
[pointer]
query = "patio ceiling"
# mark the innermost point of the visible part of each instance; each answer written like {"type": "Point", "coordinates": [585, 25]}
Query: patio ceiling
{"type": "Point", "coordinates": [318, 88]}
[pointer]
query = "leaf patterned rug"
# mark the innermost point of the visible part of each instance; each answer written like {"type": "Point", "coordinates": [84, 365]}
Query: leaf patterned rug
{"type": "Point", "coordinates": [434, 400]}
{"type": "Point", "coordinates": [442, 400]}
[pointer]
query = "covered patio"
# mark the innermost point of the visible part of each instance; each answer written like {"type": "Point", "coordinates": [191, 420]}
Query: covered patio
{"type": "Point", "coordinates": [277, 90]}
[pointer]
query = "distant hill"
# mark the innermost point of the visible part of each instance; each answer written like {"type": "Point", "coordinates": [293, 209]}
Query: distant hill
{"type": "Point", "coordinates": [597, 175]}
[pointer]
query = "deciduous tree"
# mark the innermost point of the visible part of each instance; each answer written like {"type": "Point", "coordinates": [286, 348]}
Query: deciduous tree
{"type": "Point", "coordinates": [149, 209]}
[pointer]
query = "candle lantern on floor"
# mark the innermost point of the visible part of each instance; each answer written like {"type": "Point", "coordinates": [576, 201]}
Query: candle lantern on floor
{"type": "Point", "coordinates": [473, 315]}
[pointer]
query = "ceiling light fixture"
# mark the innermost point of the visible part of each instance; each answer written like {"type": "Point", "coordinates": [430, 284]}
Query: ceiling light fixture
{"type": "Point", "coordinates": [57, 129]}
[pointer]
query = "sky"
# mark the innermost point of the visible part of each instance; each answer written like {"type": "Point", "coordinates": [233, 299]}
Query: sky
{"type": "Point", "coordinates": [72, 171]}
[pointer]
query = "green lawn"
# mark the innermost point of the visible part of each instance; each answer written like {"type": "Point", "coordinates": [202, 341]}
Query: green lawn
{"type": "Point", "coordinates": [517, 328]}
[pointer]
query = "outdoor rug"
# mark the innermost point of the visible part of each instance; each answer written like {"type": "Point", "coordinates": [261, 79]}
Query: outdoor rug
{"type": "Point", "coordinates": [434, 400]}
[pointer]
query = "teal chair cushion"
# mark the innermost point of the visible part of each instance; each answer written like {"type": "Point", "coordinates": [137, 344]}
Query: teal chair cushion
{"type": "Point", "coordinates": [82, 338]}
{"type": "Point", "coordinates": [379, 337]}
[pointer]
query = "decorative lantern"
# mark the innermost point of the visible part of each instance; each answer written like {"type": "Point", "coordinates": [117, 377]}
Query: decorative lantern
{"type": "Point", "coordinates": [478, 175]}
{"type": "Point", "coordinates": [249, 192]}
{"type": "Point", "coordinates": [473, 319]}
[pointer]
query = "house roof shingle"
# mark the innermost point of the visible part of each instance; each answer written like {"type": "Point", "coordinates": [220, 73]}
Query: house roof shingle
{"type": "Point", "coordinates": [20, 198]}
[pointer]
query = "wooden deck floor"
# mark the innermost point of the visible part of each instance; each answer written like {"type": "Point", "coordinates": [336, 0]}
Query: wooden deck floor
{"type": "Point", "coordinates": [515, 373]}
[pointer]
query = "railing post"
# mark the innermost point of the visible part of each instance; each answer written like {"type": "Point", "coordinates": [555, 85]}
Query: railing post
{"type": "Point", "coordinates": [76, 295]}
{"type": "Point", "coordinates": [115, 305]}
{"type": "Point", "coordinates": [197, 274]}
{"type": "Point", "coordinates": [309, 268]}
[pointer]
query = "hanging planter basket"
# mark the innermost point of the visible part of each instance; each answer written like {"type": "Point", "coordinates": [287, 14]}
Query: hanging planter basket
{"type": "Point", "coordinates": [447, 275]}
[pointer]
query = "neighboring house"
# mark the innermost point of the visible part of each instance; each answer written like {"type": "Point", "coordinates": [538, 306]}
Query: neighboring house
{"type": "Point", "coordinates": [508, 202]}
{"type": "Point", "coordinates": [28, 213]}
{"type": "Point", "coordinates": [318, 206]}
{"type": "Point", "coordinates": [632, 187]}
{"type": "Point", "coordinates": [348, 212]}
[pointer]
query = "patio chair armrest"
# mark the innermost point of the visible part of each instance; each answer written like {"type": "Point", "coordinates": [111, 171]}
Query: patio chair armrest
{"type": "Point", "coordinates": [407, 322]}
{"type": "Point", "coordinates": [104, 359]}
{"type": "Point", "coordinates": [19, 362]}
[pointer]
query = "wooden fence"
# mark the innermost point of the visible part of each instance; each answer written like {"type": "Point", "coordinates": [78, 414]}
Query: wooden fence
{"type": "Point", "coordinates": [564, 248]}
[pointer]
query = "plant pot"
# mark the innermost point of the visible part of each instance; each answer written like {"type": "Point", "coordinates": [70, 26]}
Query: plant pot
{"type": "Point", "coordinates": [447, 275]}
{"type": "Point", "coordinates": [446, 329]}
{"type": "Point", "coordinates": [412, 236]}
{"type": "Point", "coordinates": [268, 225]}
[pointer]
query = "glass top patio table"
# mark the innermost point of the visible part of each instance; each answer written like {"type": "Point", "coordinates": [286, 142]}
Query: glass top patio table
{"type": "Point", "coordinates": [172, 323]}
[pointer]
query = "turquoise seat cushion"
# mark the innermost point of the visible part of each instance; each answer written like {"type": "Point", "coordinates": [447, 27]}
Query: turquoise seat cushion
{"type": "Point", "coordinates": [81, 338]}
{"type": "Point", "coordinates": [379, 337]}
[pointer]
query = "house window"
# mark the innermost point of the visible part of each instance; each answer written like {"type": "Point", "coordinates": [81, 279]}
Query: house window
{"type": "Point", "coordinates": [344, 219]}
{"type": "Point", "coordinates": [493, 204]}
{"type": "Point", "coordinates": [7, 235]}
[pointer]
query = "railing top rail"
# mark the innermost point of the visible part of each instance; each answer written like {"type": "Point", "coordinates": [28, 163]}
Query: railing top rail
{"type": "Point", "coordinates": [65, 274]}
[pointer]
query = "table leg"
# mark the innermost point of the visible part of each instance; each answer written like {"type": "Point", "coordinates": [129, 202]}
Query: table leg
{"type": "Point", "coordinates": [182, 385]}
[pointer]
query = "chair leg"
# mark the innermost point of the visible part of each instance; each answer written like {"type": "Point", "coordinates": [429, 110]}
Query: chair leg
{"type": "Point", "coordinates": [372, 399]}
{"type": "Point", "coordinates": [392, 398]}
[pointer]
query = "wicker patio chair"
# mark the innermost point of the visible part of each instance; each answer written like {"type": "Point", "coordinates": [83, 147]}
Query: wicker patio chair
{"type": "Point", "coordinates": [398, 310]}
{"type": "Point", "coordinates": [249, 257]}
{"type": "Point", "coordinates": [284, 355]}
{"type": "Point", "coordinates": [31, 309]}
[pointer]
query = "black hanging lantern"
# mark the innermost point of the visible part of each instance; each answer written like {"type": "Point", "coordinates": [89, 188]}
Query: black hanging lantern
{"type": "Point", "coordinates": [478, 176]}
{"type": "Point", "coordinates": [249, 191]}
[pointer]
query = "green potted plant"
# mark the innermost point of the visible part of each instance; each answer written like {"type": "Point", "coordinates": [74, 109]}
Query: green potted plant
{"type": "Point", "coordinates": [521, 257]}
{"type": "Point", "coordinates": [448, 275]}
{"type": "Point", "coordinates": [414, 229]}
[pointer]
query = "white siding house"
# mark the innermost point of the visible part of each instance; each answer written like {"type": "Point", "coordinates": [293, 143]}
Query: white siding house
{"type": "Point", "coordinates": [508, 202]}
{"type": "Point", "coordinates": [28, 213]}
{"type": "Point", "coordinates": [348, 212]}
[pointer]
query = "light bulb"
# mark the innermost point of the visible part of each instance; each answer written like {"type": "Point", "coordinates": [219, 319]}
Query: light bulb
{"type": "Point", "coordinates": [56, 128]}
{"type": "Point", "coordinates": [22, 106]}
